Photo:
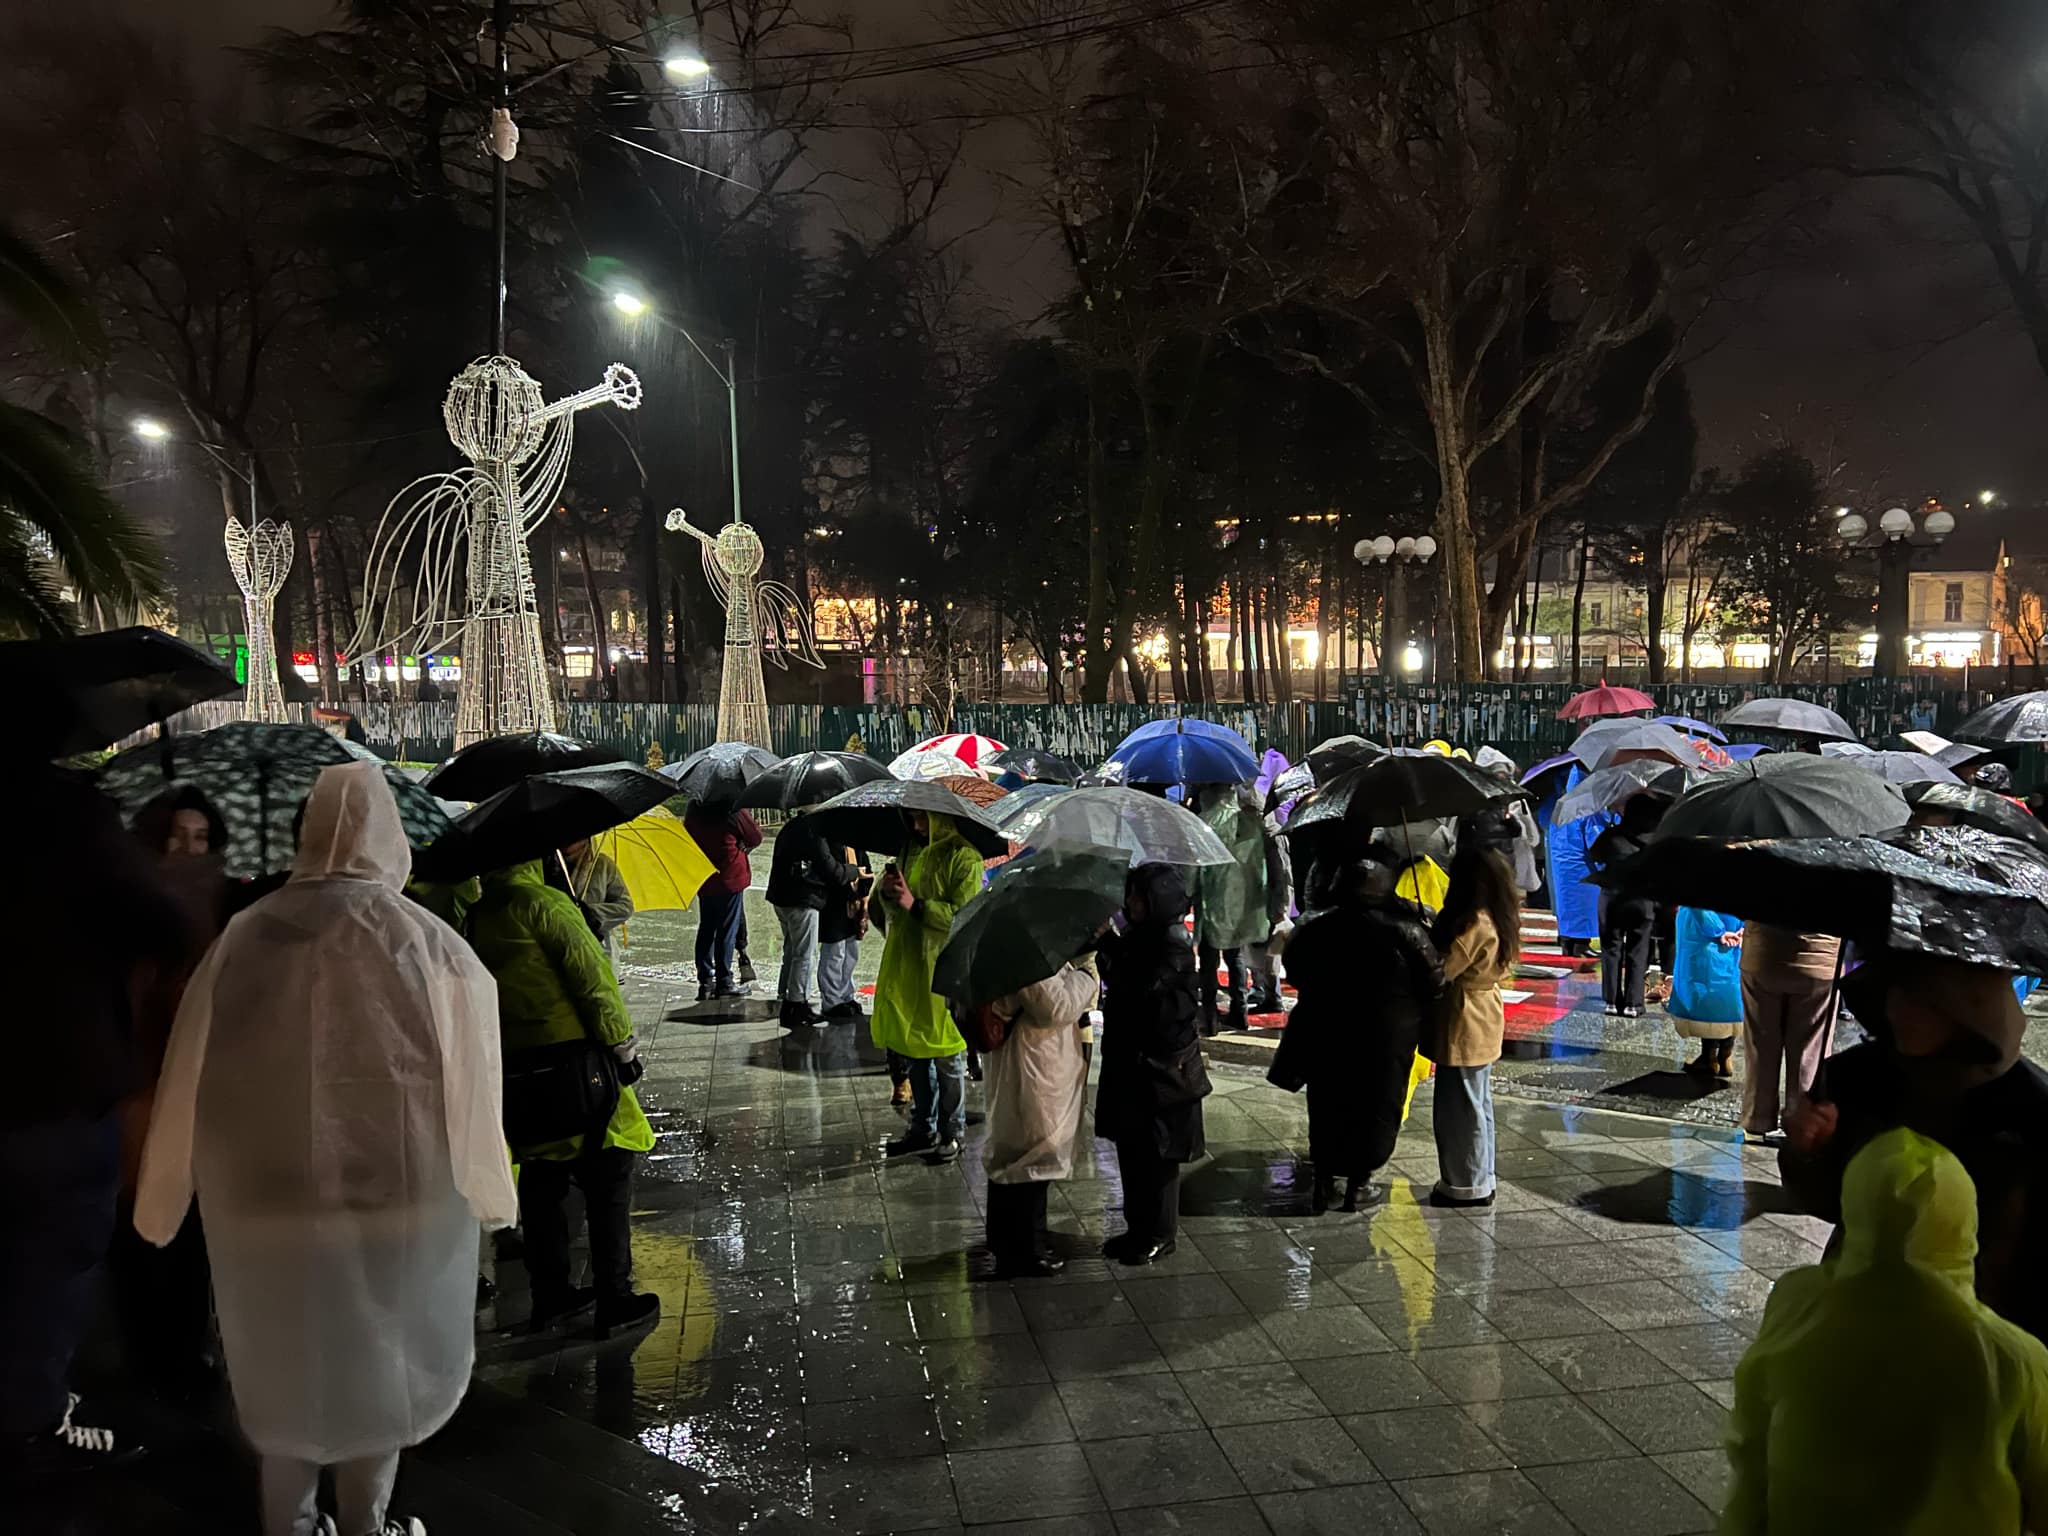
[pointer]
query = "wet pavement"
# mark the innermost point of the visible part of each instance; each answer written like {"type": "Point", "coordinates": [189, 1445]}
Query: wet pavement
{"type": "Point", "coordinates": [827, 1359]}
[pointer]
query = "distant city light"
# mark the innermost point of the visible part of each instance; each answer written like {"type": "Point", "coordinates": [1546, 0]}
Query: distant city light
{"type": "Point", "coordinates": [629, 303]}
{"type": "Point", "coordinates": [685, 66]}
{"type": "Point", "coordinates": [149, 427]}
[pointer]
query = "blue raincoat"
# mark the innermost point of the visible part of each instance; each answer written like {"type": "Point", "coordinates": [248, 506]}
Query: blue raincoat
{"type": "Point", "coordinates": [1577, 904]}
{"type": "Point", "coordinates": [1706, 976]}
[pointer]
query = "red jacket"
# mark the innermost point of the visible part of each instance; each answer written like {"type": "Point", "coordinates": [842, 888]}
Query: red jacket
{"type": "Point", "coordinates": [725, 840]}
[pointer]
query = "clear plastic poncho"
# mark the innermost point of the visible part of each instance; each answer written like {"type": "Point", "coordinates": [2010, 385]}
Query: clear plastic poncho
{"type": "Point", "coordinates": [1037, 1080]}
{"type": "Point", "coordinates": [332, 1095]}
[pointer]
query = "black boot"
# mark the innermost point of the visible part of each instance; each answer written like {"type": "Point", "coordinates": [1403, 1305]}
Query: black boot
{"type": "Point", "coordinates": [1322, 1192]}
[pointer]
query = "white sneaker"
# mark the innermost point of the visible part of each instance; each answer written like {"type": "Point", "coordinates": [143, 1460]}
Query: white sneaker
{"type": "Point", "coordinates": [325, 1526]}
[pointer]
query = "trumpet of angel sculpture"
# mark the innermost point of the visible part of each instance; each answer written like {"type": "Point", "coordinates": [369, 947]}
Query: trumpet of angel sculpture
{"type": "Point", "coordinates": [261, 558]}
{"type": "Point", "coordinates": [758, 615]}
{"type": "Point", "coordinates": [449, 558]}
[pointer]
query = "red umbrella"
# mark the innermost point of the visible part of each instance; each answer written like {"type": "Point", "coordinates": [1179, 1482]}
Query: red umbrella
{"type": "Point", "coordinates": [1596, 702]}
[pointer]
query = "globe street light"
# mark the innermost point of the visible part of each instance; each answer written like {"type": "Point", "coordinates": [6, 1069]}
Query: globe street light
{"type": "Point", "coordinates": [1397, 555]}
{"type": "Point", "coordinates": [1894, 547]}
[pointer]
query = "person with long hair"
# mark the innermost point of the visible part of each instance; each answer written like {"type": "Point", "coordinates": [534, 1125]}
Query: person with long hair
{"type": "Point", "coordinates": [1478, 933]}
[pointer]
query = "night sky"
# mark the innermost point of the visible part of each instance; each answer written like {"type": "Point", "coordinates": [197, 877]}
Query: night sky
{"type": "Point", "coordinates": [1864, 353]}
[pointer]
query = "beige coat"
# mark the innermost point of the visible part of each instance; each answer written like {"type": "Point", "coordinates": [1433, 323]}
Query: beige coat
{"type": "Point", "coordinates": [1473, 972]}
{"type": "Point", "coordinates": [1036, 1080]}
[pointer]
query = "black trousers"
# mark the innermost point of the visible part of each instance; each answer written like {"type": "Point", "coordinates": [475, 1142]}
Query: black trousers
{"type": "Point", "coordinates": [58, 1183]}
{"type": "Point", "coordinates": [1208, 957]}
{"type": "Point", "coordinates": [1016, 1219]}
{"type": "Point", "coordinates": [1151, 1191]}
{"type": "Point", "coordinates": [606, 1181]}
{"type": "Point", "coordinates": [1624, 959]}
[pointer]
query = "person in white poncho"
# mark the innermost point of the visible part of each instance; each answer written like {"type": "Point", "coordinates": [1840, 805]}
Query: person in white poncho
{"type": "Point", "coordinates": [1036, 1083]}
{"type": "Point", "coordinates": [331, 1094]}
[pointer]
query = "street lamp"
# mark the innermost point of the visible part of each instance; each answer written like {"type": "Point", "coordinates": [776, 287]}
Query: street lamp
{"type": "Point", "coordinates": [151, 428]}
{"type": "Point", "coordinates": [632, 306]}
{"type": "Point", "coordinates": [1397, 555]}
{"type": "Point", "coordinates": [1896, 542]}
{"type": "Point", "coordinates": [685, 64]}
{"type": "Point", "coordinates": [629, 304]}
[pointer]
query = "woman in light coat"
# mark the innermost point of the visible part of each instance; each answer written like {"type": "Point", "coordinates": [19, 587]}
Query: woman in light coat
{"type": "Point", "coordinates": [1036, 1083]}
{"type": "Point", "coordinates": [331, 1094]}
{"type": "Point", "coordinates": [1478, 934]}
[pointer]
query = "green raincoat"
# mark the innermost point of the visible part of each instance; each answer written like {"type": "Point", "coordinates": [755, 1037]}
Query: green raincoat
{"type": "Point", "coordinates": [1230, 899]}
{"type": "Point", "coordinates": [909, 1018]}
{"type": "Point", "coordinates": [554, 984]}
{"type": "Point", "coordinates": [1880, 1395]}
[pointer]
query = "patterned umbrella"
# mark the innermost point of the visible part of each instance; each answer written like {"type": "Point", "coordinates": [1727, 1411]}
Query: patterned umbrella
{"type": "Point", "coordinates": [973, 788]}
{"type": "Point", "coordinates": [1596, 702]}
{"type": "Point", "coordinates": [257, 775]}
{"type": "Point", "coordinates": [970, 749]}
{"type": "Point", "coordinates": [925, 763]}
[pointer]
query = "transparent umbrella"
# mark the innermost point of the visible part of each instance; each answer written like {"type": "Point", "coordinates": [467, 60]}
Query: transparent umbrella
{"type": "Point", "coordinates": [1150, 829]}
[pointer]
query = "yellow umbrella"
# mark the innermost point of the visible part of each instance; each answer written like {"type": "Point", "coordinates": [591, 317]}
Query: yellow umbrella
{"type": "Point", "coordinates": [660, 862]}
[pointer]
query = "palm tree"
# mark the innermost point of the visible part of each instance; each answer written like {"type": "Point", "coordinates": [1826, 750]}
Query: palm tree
{"type": "Point", "coordinates": [63, 539]}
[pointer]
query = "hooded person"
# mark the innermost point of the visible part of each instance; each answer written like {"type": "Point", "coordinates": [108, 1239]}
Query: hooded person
{"type": "Point", "coordinates": [1945, 1061]}
{"type": "Point", "coordinates": [556, 987]}
{"type": "Point", "coordinates": [1037, 1083]}
{"type": "Point", "coordinates": [1230, 899]}
{"type": "Point", "coordinates": [1880, 1395]}
{"type": "Point", "coordinates": [939, 874]}
{"type": "Point", "coordinates": [1706, 987]}
{"type": "Point", "coordinates": [1352, 1047]}
{"type": "Point", "coordinates": [1149, 1102]}
{"type": "Point", "coordinates": [1575, 902]}
{"type": "Point", "coordinates": [1626, 920]}
{"type": "Point", "coordinates": [331, 1095]}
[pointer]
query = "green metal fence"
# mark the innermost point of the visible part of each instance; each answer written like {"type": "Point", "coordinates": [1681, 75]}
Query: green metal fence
{"type": "Point", "coordinates": [1518, 718]}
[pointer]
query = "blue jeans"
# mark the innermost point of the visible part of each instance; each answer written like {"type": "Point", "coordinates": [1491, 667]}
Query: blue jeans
{"type": "Point", "coordinates": [938, 1091]}
{"type": "Point", "coordinates": [1462, 1107]}
{"type": "Point", "coordinates": [718, 927]}
{"type": "Point", "coordinates": [799, 953]}
{"type": "Point", "coordinates": [58, 1181]}
{"type": "Point", "coordinates": [835, 971]}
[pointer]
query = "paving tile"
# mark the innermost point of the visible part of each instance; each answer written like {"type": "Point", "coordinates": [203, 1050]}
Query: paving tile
{"type": "Point", "coordinates": [1347, 1511]}
{"type": "Point", "coordinates": [1119, 1405]}
{"type": "Point", "coordinates": [1673, 1254]}
{"type": "Point", "coordinates": [975, 1418]}
{"type": "Point", "coordinates": [1703, 1474]}
{"type": "Point", "coordinates": [1203, 1343]}
{"type": "Point", "coordinates": [1386, 1278]}
{"type": "Point", "coordinates": [1591, 1263]}
{"type": "Point", "coordinates": [892, 1427]}
{"type": "Point", "coordinates": [1674, 1417]}
{"type": "Point", "coordinates": [1251, 1394]}
{"type": "Point", "coordinates": [996, 1360]}
{"type": "Point", "coordinates": [1425, 1442]}
{"type": "Point", "coordinates": [1293, 1290]}
{"type": "Point", "coordinates": [1550, 1313]}
{"type": "Point", "coordinates": [1731, 1293]}
{"type": "Point", "coordinates": [1482, 1372]}
{"type": "Point", "coordinates": [1635, 1497]}
{"type": "Point", "coordinates": [865, 1496]}
{"type": "Point", "coordinates": [1176, 1298]}
{"type": "Point", "coordinates": [1181, 1467]}
{"type": "Point", "coordinates": [1708, 1353]}
{"type": "Point", "coordinates": [1323, 1333]}
{"type": "Point", "coordinates": [1057, 1525]}
{"type": "Point", "coordinates": [1482, 1504]}
{"type": "Point", "coordinates": [1538, 1430]}
{"type": "Point", "coordinates": [1216, 1517]}
{"type": "Point", "coordinates": [1045, 1479]}
{"type": "Point", "coordinates": [1589, 1362]}
{"type": "Point", "coordinates": [1265, 1251]}
{"type": "Point", "coordinates": [1531, 1229]}
{"type": "Point", "coordinates": [972, 1312]}
{"type": "Point", "coordinates": [1430, 1321]}
{"type": "Point", "coordinates": [1369, 1383]}
{"type": "Point", "coordinates": [1295, 1453]}
{"type": "Point", "coordinates": [1080, 1353]}
{"type": "Point", "coordinates": [1091, 1304]}
{"type": "Point", "coordinates": [1636, 1305]}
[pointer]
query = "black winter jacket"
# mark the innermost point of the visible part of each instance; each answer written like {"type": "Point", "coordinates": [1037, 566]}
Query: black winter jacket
{"type": "Point", "coordinates": [1153, 1080]}
{"type": "Point", "coordinates": [806, 870]}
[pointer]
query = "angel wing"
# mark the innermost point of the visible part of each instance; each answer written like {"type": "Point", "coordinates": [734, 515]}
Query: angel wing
{"type": "Point", "coordinates": [784, 627]}
{"type": "Point", "coordinates": [413, 581]}
{"type": "Point", "coordinates": [714, 573]}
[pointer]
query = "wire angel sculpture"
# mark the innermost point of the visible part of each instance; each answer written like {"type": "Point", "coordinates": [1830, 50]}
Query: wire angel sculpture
{"type": "Point", "coordinates": [449, 558]}
{"type": "Point", "coordinates": [759, 615]}
{"type": "Point", "coordinates": [261, 558]}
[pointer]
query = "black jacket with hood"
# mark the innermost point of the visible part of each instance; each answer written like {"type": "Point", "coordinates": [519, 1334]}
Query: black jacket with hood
{"type": "Point", "coordinates": [1153, 1080]}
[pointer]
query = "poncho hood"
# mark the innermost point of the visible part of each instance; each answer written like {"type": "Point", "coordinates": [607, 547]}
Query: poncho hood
{"type": "Point", "coordinates": [351, 829]}
{"type": "Point", "coordinates": [1907, 1200]}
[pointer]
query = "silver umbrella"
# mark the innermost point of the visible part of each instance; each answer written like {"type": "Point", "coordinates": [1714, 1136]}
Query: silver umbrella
{"type": "Point", "coordinates": [1150, 829]}
{"type": "Point", "coordinates": [1792, 717]}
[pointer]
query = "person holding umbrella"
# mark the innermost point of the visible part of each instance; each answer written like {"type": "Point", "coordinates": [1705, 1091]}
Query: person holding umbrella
{"type": "Point", "coordinates": [1625, 921]}
{"type": "Point", "coordinates": [1478, 933]}
{"type": "Point", "coordinates": [939, 874]}
{"type": "Point", "coordinates": [1230, 899]}
{"type": "Point", "coordinates": [806, 874]}
{"type": "Point", "coordinates": [1149, 1102]}
{"type": "Point", "coordinates": [727, 835]}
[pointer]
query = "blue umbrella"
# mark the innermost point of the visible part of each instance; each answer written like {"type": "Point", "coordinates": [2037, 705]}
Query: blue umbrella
{"type": "Point", "coordinates": [1182, 751]}
{"type": "Point", "coordinates": [1743, 751]}
{"type": "Point", "coordinates": [1695, 727]}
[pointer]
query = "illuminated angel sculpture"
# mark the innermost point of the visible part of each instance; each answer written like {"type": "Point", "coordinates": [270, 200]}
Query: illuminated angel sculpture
{"type": "Point", "coordinates": [450, 555]}
{"type": "Point", "coordinates": [758, 615]}
{"type": "Point", "coordinates": [261, 558]}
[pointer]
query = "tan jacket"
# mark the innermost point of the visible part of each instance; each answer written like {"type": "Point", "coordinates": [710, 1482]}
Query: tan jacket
{"type": "Point", "coordinates": [1473, 972]}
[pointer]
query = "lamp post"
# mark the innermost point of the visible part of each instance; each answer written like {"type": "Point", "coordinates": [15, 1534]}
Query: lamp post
{"type": "Point", "coordinates": [1397, 645]}
{"type": "Point", "coordinates": [1896, 542]}
{"type": "Point", "coordinates": [632, 306]}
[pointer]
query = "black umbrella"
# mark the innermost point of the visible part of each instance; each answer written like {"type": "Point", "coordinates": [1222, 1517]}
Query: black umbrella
{"type": "Point", "coordinates": [1395, 790]}
{"type": "Point", "coordinates": [1791, 717]}
{"type": "Point", "coordinates": [875, 817]}
{"type": "Point", "coordinates": [2023, 717]}
{"type": "Point", "coordinates": [1787, 796]}
{"type": "Point", "coordinates": [1903, 767]}
{"type": "Point", "coordinates": [1957, 753]}
{"type": "Point", "coordinates": [484, 767]}
{"type": "Point", "coordinates": [537, 815]}
{"type": "Point", "coordinates": [1982, 855]}
{"type": "Point", "coordinates": [717, 774]}
{"type": "Point", "coordinates": [1328, 759]}
{"type": "Point", "coordinates": [1966, 805]}
{"type": "Point", "coordinates": [1855, 888]}
{"type": "Point", "coordinates": [86, 692]}
{"type": "Point", "coordinates": [1029, 923]}
{"type": "Point", "coordinates": [810, 778]}
{"type": "Point", "coordinates": [1035, 764]}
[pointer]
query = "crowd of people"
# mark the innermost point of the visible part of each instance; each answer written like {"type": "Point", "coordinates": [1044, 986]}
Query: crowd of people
{"type": "Point", "coordinates": [241, 1178]}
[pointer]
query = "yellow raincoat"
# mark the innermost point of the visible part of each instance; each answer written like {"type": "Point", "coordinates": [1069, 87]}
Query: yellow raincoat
{"type": "Point", "coordinates": [909, 1018]}
{"type": "Point", "coordinates": [1880, 1395]}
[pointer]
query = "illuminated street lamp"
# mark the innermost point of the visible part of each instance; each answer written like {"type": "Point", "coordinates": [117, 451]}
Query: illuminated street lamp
{"type": "Point", "coordinates": [685, 64]}
{"type": "Point", "coordinates": [631, 306]}
{"type": "Point", "coordinates": [628, 304]}
{"type": "Point", "coordinates": [1896, 543]}
{"type": "Point", "coordinates": [1397, 555]}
